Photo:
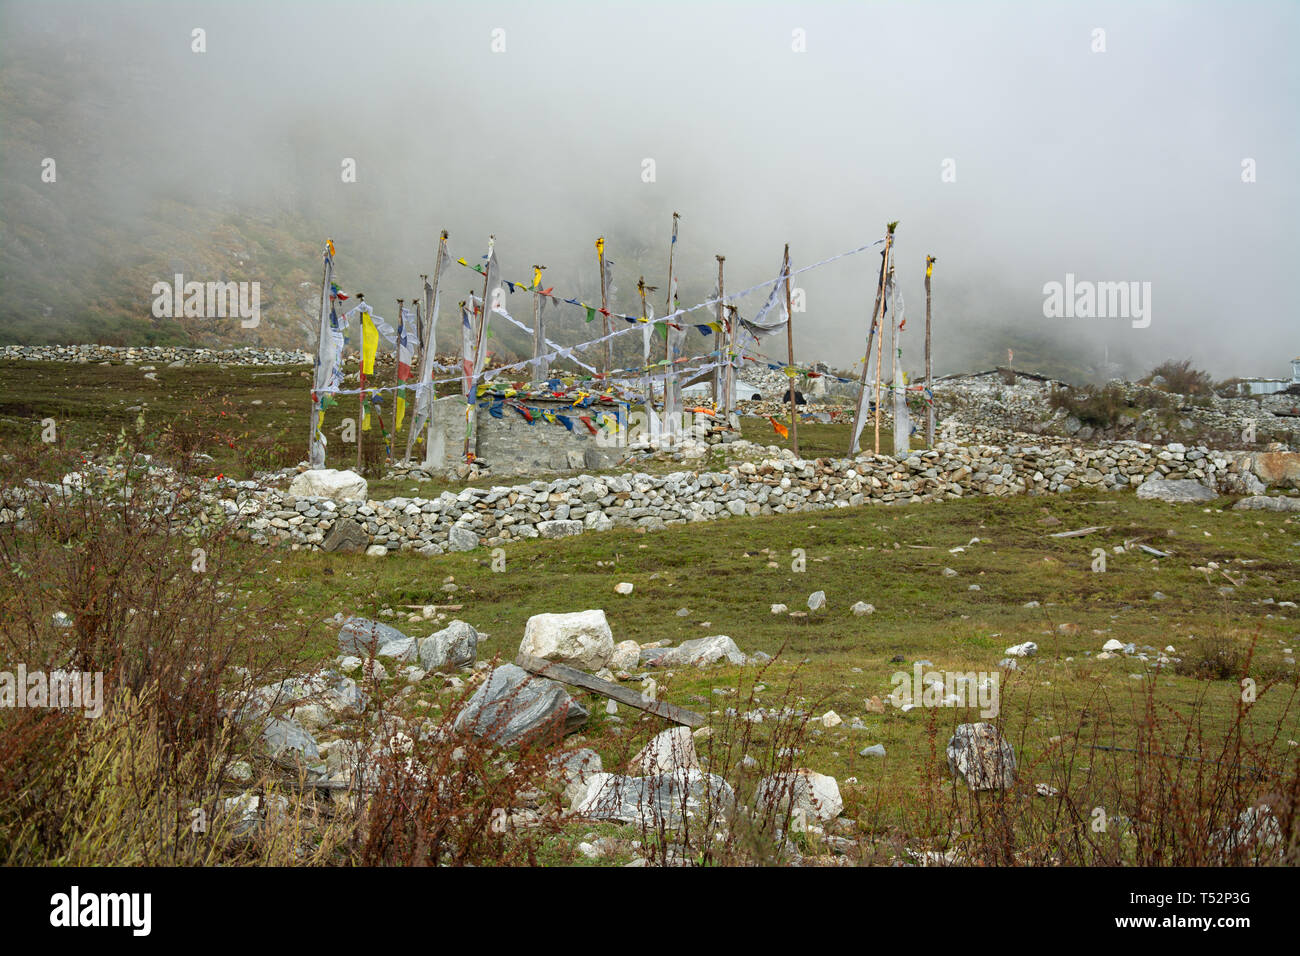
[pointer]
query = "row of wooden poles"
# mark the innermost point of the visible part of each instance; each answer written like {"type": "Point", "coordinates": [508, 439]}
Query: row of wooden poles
{"type": "Point", "coordinates": [723, 386]}
{"type": "Point", "coordinates": [877, 316]}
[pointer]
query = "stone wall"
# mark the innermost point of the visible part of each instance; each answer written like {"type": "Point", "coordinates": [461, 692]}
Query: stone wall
{"type": "Point", "coordinates": [511, 446]}
{"type": "Point", "coordinates": [168, 354]}
{"type": "Point", "coordinates": [777, 485]}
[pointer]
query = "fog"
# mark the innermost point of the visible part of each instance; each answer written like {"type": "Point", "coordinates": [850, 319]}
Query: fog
{"type": "Point", "coordinates": [1122, 165]}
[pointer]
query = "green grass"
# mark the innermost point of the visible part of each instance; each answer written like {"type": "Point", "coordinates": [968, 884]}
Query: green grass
{"type": "Point", "coordinates": [891, 557]}
{"type": "Point", "coordinates": [719, 572]}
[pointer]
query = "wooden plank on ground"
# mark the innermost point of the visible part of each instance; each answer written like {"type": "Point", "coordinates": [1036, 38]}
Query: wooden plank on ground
{"type": "Point", "coordinates": [624, 695]}
{"type": "Point", "coordinates": [1079, 533]}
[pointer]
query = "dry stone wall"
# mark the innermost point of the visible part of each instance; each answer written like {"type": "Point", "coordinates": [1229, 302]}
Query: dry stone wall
{"type": "Point", "coordinates": [477, 517]}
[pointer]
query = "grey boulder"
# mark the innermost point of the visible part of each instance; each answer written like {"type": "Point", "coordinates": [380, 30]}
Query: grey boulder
{"type": "Point", "coordinates": [980, 754]}
{"type": "Point", "coordinates": [513, 706]}
{"type": "Point", "coordinates": [1175, 490]}
{"type": "Point", "coordinates": [456, 645]}
{"type": "Point", "coordinates": [364, 638]}
{"type": "Point", "coordinates": [663, 800]}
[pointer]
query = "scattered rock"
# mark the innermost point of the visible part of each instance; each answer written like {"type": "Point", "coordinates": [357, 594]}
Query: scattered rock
{"type": "Point", "coordinates": [363, 638]}
{"type": "Point", "coordinates": [1176, 490]}
{"type": "Point", "coordinates": [512, 706]}
{"type": "Point", "coordinates": [670, 751]}
{"type": "Point", "coordinates": [289, 744]}
{"type": "Point", "coordinates": [626, 656]}
{"type": "Point", "coordinates": [456, 645]}
{"type": "Point", "coordinates": [581, 639]}
{"type": "Point", "coordinates": [815, 794]}
{"type": "Point", "coordinates": [651, 802]}
{"type": "Point", "coordinates": [980, 754]}
{"type": "Point", "coordinates": [701, 652]}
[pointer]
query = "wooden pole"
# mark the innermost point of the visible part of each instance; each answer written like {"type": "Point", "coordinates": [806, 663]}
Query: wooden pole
{"type": "Point", "coordinates": [607, 351]}
{"type": "Point", "coordinates": [722, 345]}
{"type": "Point", "coordinates": [670, 376]}
{"type": "Point", "coordinates": [430, 343]}
{"type": "Point", "coordinates": [929, 387]}
{"type": "Point", "coordinates": [480, 342]}
{"type": "Point", "coordinates": [361, 378]}
{"type": "Point", "coordinates": [880, 349]}
{"type": "Point", "coordinates": [789, 345]}
{"type": "Point", "coordinates": [539, 334]}
{"type": "Point", "coordinates": [871, 335]}
{"type": "Point", "coordinates": [417, 363]}
{"type": "Point", "coordinates": [649, 400]}
{"type": "Point", "coordinates": [313, 420]}
{"type": "Point", "coordinates": [397, 371]}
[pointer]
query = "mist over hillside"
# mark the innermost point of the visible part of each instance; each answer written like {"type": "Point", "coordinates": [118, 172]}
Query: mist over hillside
{"type": "Point", "coordinates": [1122, 165]}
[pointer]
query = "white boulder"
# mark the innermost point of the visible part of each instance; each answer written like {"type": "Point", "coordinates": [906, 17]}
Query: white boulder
{"type": "Point", "coordinates": [669, 751]}
{"type": "Point", "coordinates": [330, 483]}
{"type": "Point", "coordinates": [816, 794]}
{"type": "Point", "coordinates": [581, 638]}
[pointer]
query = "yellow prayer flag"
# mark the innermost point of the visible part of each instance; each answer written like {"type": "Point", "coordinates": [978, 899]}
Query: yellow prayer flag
{"type": "Point", "coordinates": [401, 412]}
{"type": "Point", "coordinates": [600, 246]}
{"type": "Point", "coordinates": [369, 343]}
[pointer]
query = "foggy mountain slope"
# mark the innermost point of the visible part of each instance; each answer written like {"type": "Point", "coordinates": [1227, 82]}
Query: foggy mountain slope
{"type": "Point", "coordinates": [226, 165]}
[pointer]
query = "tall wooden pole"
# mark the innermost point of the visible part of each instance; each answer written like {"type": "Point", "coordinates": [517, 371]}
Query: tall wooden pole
{"type": "Point", "coordinates": [417, 363]}
{"type": "Point", "coordinates": [880, 348]}
{"type": "Point", "coordinates": [361, 378]}
{"type": "Point", "coordinates": [397, 369]}
{"type": "Point", "coordinates": [789, 346]}
{"type": "Point", "coordinates": [670, 376]}
{"type": "Point", "coordinates": [317, 399]}
{"type": "Point", "coordinates": [929, 387]}
{"type": "Point", "coordinates": [722, 344]}
{"type": "Point", "coordinates": [871, 335]}
{"type": "Point", "coordinates": [649, 399]}
{"type": "Point", "coordinates": [480, 342]}
{"type": "Point", "coordinates": [430, 344]}
{"type": "Point", "coordinates": [539, 334]}
{"type": "Point", "coordinates": [607, 351]}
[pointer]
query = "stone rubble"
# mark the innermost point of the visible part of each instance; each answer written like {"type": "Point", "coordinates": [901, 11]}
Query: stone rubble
{"type": "Point", "coordinates": [488, 517]}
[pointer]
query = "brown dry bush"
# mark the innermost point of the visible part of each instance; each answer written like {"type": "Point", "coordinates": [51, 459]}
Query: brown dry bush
{"type": "Point", "coordinates": [163, 607]}
{"type": "Point", "coordinates": [1180, 795]}
{"type": "Point", "coordinates": [441, 796]}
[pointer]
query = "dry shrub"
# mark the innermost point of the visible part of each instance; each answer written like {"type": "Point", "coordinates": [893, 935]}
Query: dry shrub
{"type": "Point", "coordinates": [1175, 794]}
{"type": "Point", "coordinates": [1212, 658]}
{"type": "Point", "coordinates": [1182, 378]}
{"type": "Point", "coordinates": [179, 635]}
{"type": "Point", "coordinates": [448, 798]}
{"type": "Point", "coordinates": [736, 825]}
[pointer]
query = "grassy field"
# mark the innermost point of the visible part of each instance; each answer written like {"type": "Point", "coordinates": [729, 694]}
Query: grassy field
{"type": "Point", "coordinates": [894, 559]}
{"type": "Point", "coordinates": [1216, 597]}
